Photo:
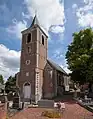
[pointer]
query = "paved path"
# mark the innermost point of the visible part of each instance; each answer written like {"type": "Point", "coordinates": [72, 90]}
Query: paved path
{"type": "Point", "coordinates": [73, 111]}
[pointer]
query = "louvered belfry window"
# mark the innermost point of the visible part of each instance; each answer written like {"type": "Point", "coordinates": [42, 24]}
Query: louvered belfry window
{"type": "Point", "coordinates": [29, 38]}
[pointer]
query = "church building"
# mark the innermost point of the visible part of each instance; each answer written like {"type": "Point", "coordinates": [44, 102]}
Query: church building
{"type": "Point", "coordinates": [38, 78]}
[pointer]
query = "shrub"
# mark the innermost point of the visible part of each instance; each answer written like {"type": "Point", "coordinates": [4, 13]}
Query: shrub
{"type": "Point", "coordinates": [51, 114]}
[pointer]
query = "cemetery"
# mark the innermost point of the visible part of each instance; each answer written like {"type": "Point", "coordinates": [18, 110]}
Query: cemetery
{"type": "Point", "coordinates": [86, 101]}
{"type": "Point", "coordinates": [50, 108]}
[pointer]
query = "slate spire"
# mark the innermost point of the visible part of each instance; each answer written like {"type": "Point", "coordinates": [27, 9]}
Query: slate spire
{"type": "Point", "coordinates": [35, 21]}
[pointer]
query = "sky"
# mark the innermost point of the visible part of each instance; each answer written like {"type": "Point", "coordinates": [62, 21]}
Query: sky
{"type": "Point", "coordinates": [59, 18]}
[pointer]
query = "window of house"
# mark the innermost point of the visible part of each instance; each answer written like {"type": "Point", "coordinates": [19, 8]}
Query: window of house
{"type": "Point", "coordinates": [28, 49]}
{"type": "Point", "coordinates": [59, 80]}
{"type": "Point", "coordinates": [51, 73]}
{"type": "Point", "coordinates": [27, 62]}
{"type": "Point", "coordinates": [67, 81]}
{"type": "Point", "coordinates": [42, 39]}
{"type": "Point", "coordinates": [29, 38]}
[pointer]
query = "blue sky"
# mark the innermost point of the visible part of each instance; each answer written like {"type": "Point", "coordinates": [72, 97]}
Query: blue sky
{"type": "Point", "coordinates": [58, 17]}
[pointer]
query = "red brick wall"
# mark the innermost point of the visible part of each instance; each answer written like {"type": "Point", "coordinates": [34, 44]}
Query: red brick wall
{"type": "Point", "coordinates": [47, 88]}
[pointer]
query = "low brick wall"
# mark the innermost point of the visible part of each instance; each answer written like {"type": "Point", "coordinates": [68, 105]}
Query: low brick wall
{"type": "Point", "coordinates": [2, 111]}
{"type": "Point", "coordinates": [2, 98]}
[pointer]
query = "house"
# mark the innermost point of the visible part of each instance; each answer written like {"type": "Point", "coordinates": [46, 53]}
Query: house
{"type": "Point", "coordinates": [39, 77]}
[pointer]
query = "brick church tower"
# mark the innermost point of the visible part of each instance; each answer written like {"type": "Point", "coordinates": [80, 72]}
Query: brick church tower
{"type": "Point", "coordinates": [32, 62]}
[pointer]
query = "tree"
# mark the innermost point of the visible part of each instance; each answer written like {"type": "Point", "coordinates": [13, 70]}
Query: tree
{"type": "Point", "coordinates": [1, 82]}
{"type": "Point", "coordinates": [10, 84]}
{"type": "Point", "coordinates": [80, 56]}
{"type": "Point", "coordinates": [1, 79]}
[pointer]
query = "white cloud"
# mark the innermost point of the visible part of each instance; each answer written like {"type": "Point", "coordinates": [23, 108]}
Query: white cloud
{"type": "Point", "coordinates": [74, 6]}
{"type": "Point", "coordinates": [86, 20]}
{"type": "Point", "coordinates": [27, 16]}
{"type": "Point", "coordinates": [49, 12]}
{"type": "Point", "coordinates": [65, 66]}
{"type": "Point", "coordinates": [9, 61]}
{"type": "Point", "coordinates": [57, 29]}
{"type": "Point", "coordinates": [85, 14]}
{"type": "Point", "coordinates": [17, 27]}
{"type": "Point", "coordinates": [57, 54]}
{"type": "Point", "coordinates": [88, 1]}
{"type": "Point", "coordinates": [59, 58]}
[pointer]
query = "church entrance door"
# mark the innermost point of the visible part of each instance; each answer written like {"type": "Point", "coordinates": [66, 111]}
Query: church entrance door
{"type": "Point", "coordinates": [27, 91]}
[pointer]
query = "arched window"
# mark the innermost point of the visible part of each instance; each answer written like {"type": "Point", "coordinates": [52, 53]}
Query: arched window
{"type": "Point", "coordinates": [29, 38]}
{"type": "Point", "coordinates": [51, 73]}
{"type": "Point", "coordinates": [42, 39]}
{"type": "Point", "coordinates": [27, 84]}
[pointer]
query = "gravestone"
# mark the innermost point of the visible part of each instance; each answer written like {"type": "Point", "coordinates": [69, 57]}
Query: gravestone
{"type": "Point", "coordinates": [2, 93]}
{"type": "Point", "coordinates": [16, 101]}
{"type": "Point", "coordinates": [46, 103]}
